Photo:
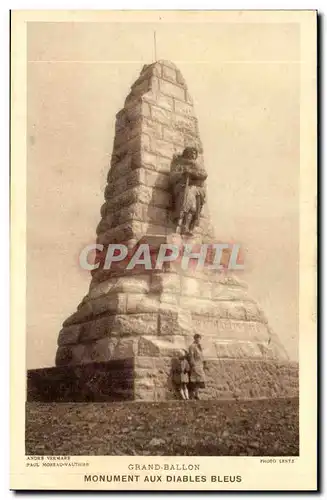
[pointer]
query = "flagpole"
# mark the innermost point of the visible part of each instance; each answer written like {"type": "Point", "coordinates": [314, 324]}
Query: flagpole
{"type": "Point", "coordinates": [155, 45]}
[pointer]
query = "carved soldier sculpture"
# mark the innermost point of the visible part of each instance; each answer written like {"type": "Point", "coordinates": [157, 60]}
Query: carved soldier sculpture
{"type": "Point", "coordinates": [187, 183]}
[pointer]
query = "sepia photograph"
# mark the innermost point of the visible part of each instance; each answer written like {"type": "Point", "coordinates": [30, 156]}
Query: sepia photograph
{"type": "Point", "coordinates": [163, 245]}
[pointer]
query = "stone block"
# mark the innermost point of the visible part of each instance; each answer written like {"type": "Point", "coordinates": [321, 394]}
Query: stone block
{"type": "Point", "coordinates": [104, 210]}
{"type": "Point", "coordinates": [180, 78]}
{"type": "Point", "coordinates": [115, 188]}
{"type": "Point", "coordinates": [135, 324]}
{"type": "Point", "coordinates": [152, 178]}
{"type": "Point", "coordinates": [126, 214]}
{"type": "Point", "coordinates": [144, 374]}
{"type": "Point", "coordinates": [120, 119]}
{"type": "Point", "coordinates": [231, 310]}
{"type": "Point", "coordinates": [163, 164]}
{"type": "Point", "coordinates": [141, 86]}
{"type": "Point", "coordinates": [223, 292]}
{"type": "Point", "coordinates": [112, 343]}
{"type": "Point", "coordinates": [155, 214]}
{"type": "Point", "coordinates": [144, 362]}
{"type": "Point", "coordinates": [142, 303]}
{"type": "Point", "coordinates": [154, 230]}
{"type": "Point", "coordinates": [96, 329]}
{"type": "Point", "coordinates": [228, 280]}
{"type": "Point", "coordinates": [140, 212]}
{"type": "Point", "coordinates": [174, 321]}
{"type": "Point", "coordinates": [167, 346]}
{"type": "Point", "coordinates": [96, 382]}
{"type": "Point", "coordinates": [249, 379]}
{"type": "Point", "coordinates": [96, 351]}
{"type": "Point", "coordinates": [166, 282]}
{"type": "Point", "coordinates": [144, 144]}
{"type": "Point", "coordinates": [112, 303]}
{"type": "Point", "coordinates": [69, 335]}
{"type": "Point", "coordinates": [172, 89]}
{"type": "Point", "coordinates": [123, 199]}
{"type": "Point", "coordinates": [198, 305]}
{"type": "Point", "coordinates": [130, 181]}
{"type": "Point", "coordinates": [135, 144]}
{"type": "Point", "coordinates": [169, 74]}
{"type": "Point", "coordinates": [229, 329]}
{"type": "Point", "coordinates": [185, 124]}
{"type": "Point", "coordinates": [238, 349]}
{"type": "Point", "coordinates": [144, 159]}
{"type": "Point", "coordinates": [183, 108]}
{"type": "Point", "coordinates": [137, 108]}
{"type": "Point", "coordinates": [144, 76]}
{"type": "Point", "coordinates": [174, 136]}
{"type": "Point", "coordinates": [104, 225]}
{"type": "Point", "coordinates": [147, 348]}
{"type": "Point", "coordinates": [127, 133]}
{"type": "Point", "coordinates": [195, 287]}
{"type": "Point", "coordinates": [64, 355]}
{"type": "Point", "coordinates": [120, 167]}
{"type": "Point", "coordinates": [163, 148]}
{"type": "Point", "coordinates": [161, 115]}
{"type": "Point", "coordinates": [136, 284]}
{"type": "Point", "coordinates": [144, 387]}
{"type": "Point", "coordinates": [164, 62]}
{"type": "Point", "coordinates": [156, 197]}
{"type": "Point", "coordinates": [154, 91]}
{"type": "Point", "coordinates": [144, 392]}
{"type": "Point", "coordinates": [169, 298]}
{"type": "Point", "coordinates": [160, 100]}
{"type": "Point", "coordinates": [84, 313]}
{"type": "Point", "coordinates": [150, 70]}
{"type": "Point", "coordinates": [79, 355]}
{"type": "Point", "coordinates": [188, 98]}
{"type": "Point", "coordinates": [122, 233]}
{"type": "Point", "coordinates": [253, 312]}
{"type": "Point", "coordinates": [163, 364]}
{"type": "Point", "coordinates": [125, 348]}
{"type": "Point", "coordinates": [152, 128]}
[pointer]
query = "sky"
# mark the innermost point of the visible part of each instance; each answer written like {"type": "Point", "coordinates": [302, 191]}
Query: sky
{"type": "Point", "coordinates": [245, 82]}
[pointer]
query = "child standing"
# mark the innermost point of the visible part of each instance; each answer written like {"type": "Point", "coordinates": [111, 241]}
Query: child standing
{"type": "Point", "coordinates": [183, 377]}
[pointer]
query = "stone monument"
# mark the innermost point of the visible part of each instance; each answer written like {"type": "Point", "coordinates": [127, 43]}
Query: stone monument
{"type": "Point", "coordinates": [132, 322]}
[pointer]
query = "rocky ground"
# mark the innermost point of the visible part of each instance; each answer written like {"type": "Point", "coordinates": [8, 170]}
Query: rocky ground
{"type": "Point", "coordinates": [259, 427]}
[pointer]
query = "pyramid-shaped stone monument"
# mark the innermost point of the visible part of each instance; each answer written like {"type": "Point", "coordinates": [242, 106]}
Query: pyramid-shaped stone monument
{"type": "Point", "coordinates": [133, 322]}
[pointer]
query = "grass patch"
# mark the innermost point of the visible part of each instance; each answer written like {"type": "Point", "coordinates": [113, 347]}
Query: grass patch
{"type": "Point", "coordinates": [182, 428]}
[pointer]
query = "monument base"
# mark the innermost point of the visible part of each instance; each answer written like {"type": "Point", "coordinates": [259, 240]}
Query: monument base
{"type": "Point", "coordinates": [150, 379]}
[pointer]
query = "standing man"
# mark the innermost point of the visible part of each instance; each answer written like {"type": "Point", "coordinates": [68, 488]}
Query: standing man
{"type": "Point", "coordinates": [197, 376]}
